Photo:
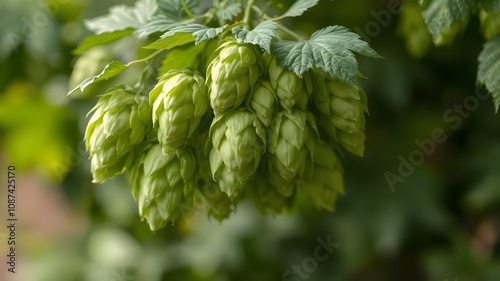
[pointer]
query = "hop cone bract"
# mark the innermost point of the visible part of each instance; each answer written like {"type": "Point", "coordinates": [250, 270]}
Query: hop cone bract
{"type": "Point", "coordinates": [289, 143]}
{"type": "Point", "coordinates": [179, 101]}
{"type": "Point", "coordinates": [121, 120]}
{"type": "Point", "coordinates": [342, 108]}
{"type": "Point", "coordinates": [162, 182]}
{"type": "Point", "coordinates": [323, 177]}
{"type": "Point", "coordinates": [291, 89]}
{"type": "Point", "coordinates": [262, 101]}
{"type": "Point", "coordinates": [237, 144]}
{"type": "Point", "coordinates": [231, 74]}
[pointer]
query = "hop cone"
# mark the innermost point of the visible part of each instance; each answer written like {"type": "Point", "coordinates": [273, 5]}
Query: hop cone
{"type": "Point", "coordinates": [266, 197]}
{"type": "Point", "coordinates": [179, 101]}
{"type": "Point", "coordinates": [262, 102]}
{"type": "Point", "coordinates": [291, 89]}
{"type": "Point", "coordinates": [121, 120]}
{"type": "Point", "coordinates": [323, 177]}
{"type": "Point", "coordinates": [342, 109]}
{"type": "Point", "coordinates": [231, 74]}
{"type": "Point", "coordinates": [161, 183]}
{"type": "Point", "coordinates": [237, 143]}
{"type": "Point", "coordinates": [289, 141]}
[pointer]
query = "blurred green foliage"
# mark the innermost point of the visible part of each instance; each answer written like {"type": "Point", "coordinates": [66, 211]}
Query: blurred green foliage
{"type": "Point", "coordinates": [441, 223]}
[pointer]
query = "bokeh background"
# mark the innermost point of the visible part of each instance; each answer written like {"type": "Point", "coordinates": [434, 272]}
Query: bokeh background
{"type": "Point", "coordinates": [440, 223]}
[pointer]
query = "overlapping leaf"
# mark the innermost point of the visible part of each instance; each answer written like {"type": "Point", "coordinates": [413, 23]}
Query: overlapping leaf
{"type": "Point", "coordinates": [261, 35]}
{"type": "Point", "coordinates": [330, 49]}
{"type": "Point", "coordinates": [175, 8]}
{"type": "Point", "coordinates": [439, 15]}
{"type": "Point", "coordinates": [121, 17]}
{"type": "Point", "coordinates": [181, 35]}
{"type": "Point", "coordinates": [299, 7]}
{"type": "Point", "coordinates": [230, 11]}
{"type": "Point", "coordinates": [159, 23]}
{"type": "Point", "coordinates": [101, 39]}
{"type": "Point", "coordinates": [489, 69]}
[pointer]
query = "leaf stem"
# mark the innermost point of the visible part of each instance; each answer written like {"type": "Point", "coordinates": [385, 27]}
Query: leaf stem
{"type": "Point", "coordinates": [281, 26]}
{"type": "Point", "coordinates": [186, 9]}
{"type": "Point", "coordinates": [247, 19]}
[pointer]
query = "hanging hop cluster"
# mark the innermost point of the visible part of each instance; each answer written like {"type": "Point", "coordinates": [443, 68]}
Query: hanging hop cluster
{"type": "Point", "coordinates": [242, 127]}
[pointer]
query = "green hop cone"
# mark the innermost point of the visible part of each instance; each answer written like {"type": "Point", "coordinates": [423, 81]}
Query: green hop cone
{"type": "Point", "coordinates": [179, 102]}
{"type": "Point", "coordinates": [289, 143]}
{"type": "Point", "coordinates": [262, 102]}
{"type": "Point", "coordinates": [490, 24]}
{"type": "Point", "coordinates": [120, 121]}
{"type": "Point", "coordinates": [237, 144]}
{"type": "Point", "coordinates": [342, 108]}
{"type": "Point", "coordinates": [163, 184]}
{"type": "Point", "coordinates": [233, 70]}
{"type": "Point", "coordinates": [266, 197]}
{"type": "Point", "coordinates": [291, 89]}
{"type": "Point", "coordinates": [323, 177]}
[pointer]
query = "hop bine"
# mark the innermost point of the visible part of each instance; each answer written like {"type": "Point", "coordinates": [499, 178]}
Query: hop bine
{"type": "Point", "coordinates": [232, 73]}
{"type": "Point", "coordinates": [289, 142]}
{"type": "Point", "coordinates": [179, 102]}
{"type": "Point", "coordinates": [120, 121]}
{"type": "Point", "coordinates": [161, 183]}
{"type": "Point", "coordinates": [237, 144]}
{"type": "Point", "coordinates": [341, 112]}
{"type": "Point", "coordinates": [291, 89]}
{"type": "Point", "coordinates": [323, 176]}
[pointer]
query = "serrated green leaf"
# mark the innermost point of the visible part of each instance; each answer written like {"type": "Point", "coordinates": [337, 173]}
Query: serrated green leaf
{"type": "Point", "coordinates": [101, 39]}
{"type": "Point", "coordinates": [230, 11]}
{"type": "Point", "coordinates": [330, 49]}
{"type": "Point", "coordinates": [121, 17]}
{"type": "Point", "coordinates": [175, 8]}
{"type": "Point", "coordinates": [489, 68]}
{"type": "Point", "coordinates": [490, 6]}
{"type": "Point", "coordinates": [299, 7]}
{"type": "Point", "coordinates": [111, 70]}
{"type": "Point", "coordinates": [439, 15]}
{"type": "Point", "coordinates": [159, 23]}
{"type": "Point", "coordinates": [261, 35]}
{"type": "Point", "coordinates": [185, 34]}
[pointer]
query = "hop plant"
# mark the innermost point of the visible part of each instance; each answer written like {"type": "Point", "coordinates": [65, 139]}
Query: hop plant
{"type": "Point", "coordinates": [179, 102]}
{"type": "Point", "coordinates": [290, 138]}
{"type": "Point", "coordinates": [342, 107]}
{"type": "Point", "coordinates": [323, 176]}
{"type": "Point", "coordinates": [231, 115]}
{"type": "Point", "coordinates": [262, 102]}
{"type": "Point", "coordinates": [162, 182]}
{"type": "Point", "coordinates": [291, 89]}
{"type": "Point", "coordinates": [237, 144]}
{"type": "Point", "coordinates": [234, 69]}
{"type": "Point", "coordinates": [120, 121]}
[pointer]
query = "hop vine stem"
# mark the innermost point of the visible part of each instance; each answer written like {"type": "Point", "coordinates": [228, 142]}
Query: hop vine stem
{"type": "Point", "coordinates": [281, 26]}
{"type": "Point", "coordinates": [247, 19]}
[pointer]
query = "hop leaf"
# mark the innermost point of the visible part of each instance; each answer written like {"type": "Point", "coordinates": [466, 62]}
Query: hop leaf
{"type": "Point", "coordinates": [231, 75]}
{"type": "Point", "coordinates": [289, 142]}
{"type": "Point", "coordinates": [121, 120]}
{"type": "Point", "coordinates": [161, 183]}
{"type": "Point", "coordinates": [261, 35]}
{"type": "Point", "coordinates": [237, 144]}
{"type": "Point", "coordinates": [329, 49]}
{"type": "Point", "coordinates": [291, 89]}
{"type": "Point", "coordinates": [489, 67]}
{"type": "Point", "coordinates": [179, 102]}
{"type": "Point", "coordinates": [341, 107]}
